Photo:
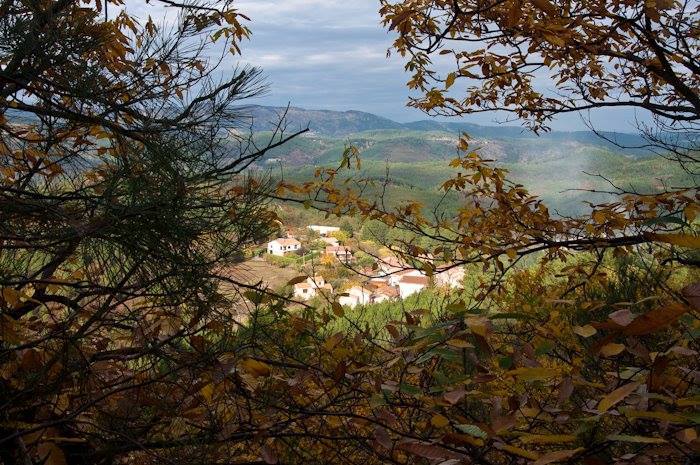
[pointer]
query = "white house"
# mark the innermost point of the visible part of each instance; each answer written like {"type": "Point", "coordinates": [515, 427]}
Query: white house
{"type": "Point", "coordinates": [356, 296]}
{"type": "Point", "coordinates": [383, 292]}
{"type": "Point", "coordinates": [409, 285]}
{"type": "Point", "coordinates": [396, 277]}
{"type": "Point", "coordinates": [283, 246]}
{"type": "Point", "coordinates": [311, 287]}
{"type": "Point", "coordinates": [369, 293]}
{"type": "Point", "coordinates": [324, 230]}
{"type": "Point", "coordinates": [452, 277]}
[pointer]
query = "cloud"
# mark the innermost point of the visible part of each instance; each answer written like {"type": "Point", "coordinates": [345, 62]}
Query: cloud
{"type": "Point", "coordinates": [332, 54]}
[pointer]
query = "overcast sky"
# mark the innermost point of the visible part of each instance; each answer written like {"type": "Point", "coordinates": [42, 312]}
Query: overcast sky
{"type": "Point", "coordinates": [331, 54]}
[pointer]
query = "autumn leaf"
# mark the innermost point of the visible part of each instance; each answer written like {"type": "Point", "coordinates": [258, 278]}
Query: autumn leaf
{"type": "Point", "coordinates": [681, 240]}
{"type": "Point", "coordinates": [534, 373]}
{"type": "Point", "coordinates": [439, 421]}
{"type": "Point", "coordinates": [255, 367]}
{"type": "Point", "coordinates": [454, 396]}
{"type": "Point", "coordinates": [585, 331]}
{"type": "Point", "coordinates": [617, 396]}
{"type": "Point", "coordinates": [612, 349]}
{"type": "Point", "coordinates": [656, 319]}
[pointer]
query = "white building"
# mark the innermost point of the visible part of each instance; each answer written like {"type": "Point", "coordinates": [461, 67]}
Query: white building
{"type": "Point", "coordinates": [312, 287]}
{"type": "Point", "coordinates": [452, 277]}
{"type": "Point", "coordinates": [283, 246]}
{"type": "Point", "coordinates": [324, 230]}
{"type": "Point", "coordinates": [356, 296]}
{"type": "Point", "coordinates": [409, 285]}
{"type": "Point", "coordinates": [369, 293]}
{"type": "Point", "coordinates": [396, 277]}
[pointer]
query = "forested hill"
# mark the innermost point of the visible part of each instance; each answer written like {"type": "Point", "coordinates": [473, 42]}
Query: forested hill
{"type": "Point", "coordinates": [328, 123]}
{"type": "Point", "coordinates": [561, 167]}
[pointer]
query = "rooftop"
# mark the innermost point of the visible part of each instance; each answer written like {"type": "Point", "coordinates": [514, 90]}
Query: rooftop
{"type": "Point", "coordinates": [286, 241]}
{"type": "Point", "coordinates": [422, 280]}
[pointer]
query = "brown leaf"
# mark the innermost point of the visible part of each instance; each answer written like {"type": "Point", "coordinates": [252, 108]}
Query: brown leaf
{"type": "Point", "coordinates": [566, 388]}
{"type": "Point", "coordinates": [692, 293]}
{"type": "Point", "coordinates": [382, 437]}
{"type": "Point", "coordinates": [622, 317]}
{"type": "Point", "coordinates": [585, 331]}
{"type": "Point", "coordinates": [655, 319]}
{"type": "Point", "coordinates": [454, 396]}
{"type": "Point", "coordinates": [612, 349]}
{"type": "Point", "coordinates": [616, 396]}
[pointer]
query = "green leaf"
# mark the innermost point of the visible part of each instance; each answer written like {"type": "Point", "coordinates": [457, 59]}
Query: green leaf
{"type": "Point", "coordinates": [472, 430]}
{"type": "Point", "coordinates": [409, 389]}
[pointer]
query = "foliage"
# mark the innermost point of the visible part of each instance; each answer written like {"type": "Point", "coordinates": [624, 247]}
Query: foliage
{"type": "Point", "coordinates": [634, 53]}
{"type": "Point", "coordinates": [126, 338]}
{"type": "Point", "coordinates": [124, 198]}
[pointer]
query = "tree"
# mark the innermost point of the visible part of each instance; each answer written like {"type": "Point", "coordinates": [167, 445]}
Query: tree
{"type": "Point", "coordinates": [536, 59]}
{"type": "Point", "coordinates": [124, 197]}
{"type": "Point", "coordinates": [551, 361]}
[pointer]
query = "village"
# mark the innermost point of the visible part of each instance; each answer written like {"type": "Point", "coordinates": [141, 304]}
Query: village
{"type": "Point", "coordinates": [353, 272]}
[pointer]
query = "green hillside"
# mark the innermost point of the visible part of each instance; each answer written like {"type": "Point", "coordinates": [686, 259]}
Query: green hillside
{"type": "Point", "coordinates": [561, 181]}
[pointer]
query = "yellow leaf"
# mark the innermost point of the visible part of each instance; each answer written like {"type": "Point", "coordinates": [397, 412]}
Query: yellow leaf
{"type": "Point", "coordinates": [681, 240]}
{"type": "Point", "coordinates": [450, 80]}
{"type": "Point", "coordinates": [585, 331]}
{"type": "Point", "coordinates": [616, 396]}
{"type": "Point", "coordinates": [612, 349]}
{"type": "Point", "coordinates": [459, 343]}
{"type": "Point", "coordinates": [439, 421]}
{"type": "Point", "coordinates": [478, 325]}
{"type": "Point", "coordinates": [599, 216]}
{"type": "Point", "coordinates": [207, 392]}
{"type": "Point", "coordinates": [534, 373]}
{"type": "Point", "coordinates": [255, 368]}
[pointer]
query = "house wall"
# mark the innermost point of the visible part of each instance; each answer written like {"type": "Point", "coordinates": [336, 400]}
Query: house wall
{"type": "Point", "coordinates": [406, 289]}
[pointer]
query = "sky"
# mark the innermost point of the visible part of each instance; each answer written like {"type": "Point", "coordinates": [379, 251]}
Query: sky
{"type": "Point", "coordinates": [332, 54]}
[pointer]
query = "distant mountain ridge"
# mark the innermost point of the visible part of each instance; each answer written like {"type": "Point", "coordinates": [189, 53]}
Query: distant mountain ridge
{"type": "Point", "coordinates": [330, 123]}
